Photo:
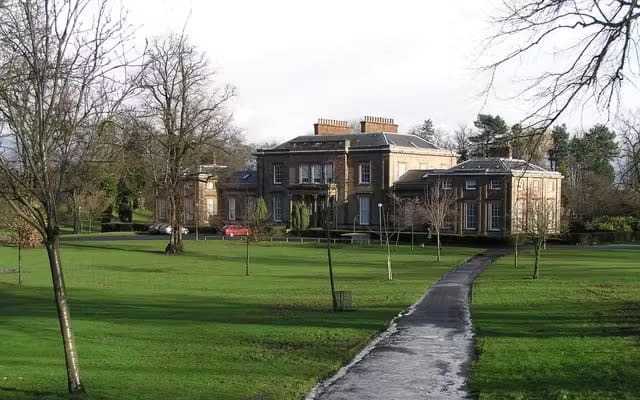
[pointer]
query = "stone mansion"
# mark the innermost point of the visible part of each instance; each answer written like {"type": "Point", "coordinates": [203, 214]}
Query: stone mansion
{"type": "Point", "coordinates": [357, 172]}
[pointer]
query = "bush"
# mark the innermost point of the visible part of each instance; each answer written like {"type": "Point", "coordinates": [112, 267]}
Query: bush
{"type": "Point", "coordinates": [613, 224]}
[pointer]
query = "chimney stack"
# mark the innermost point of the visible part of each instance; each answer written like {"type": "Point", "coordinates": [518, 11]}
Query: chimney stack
{"type": "Point", "coordinates": [325, 127]}
{"type": "Point", "coordinates": [377, 125]}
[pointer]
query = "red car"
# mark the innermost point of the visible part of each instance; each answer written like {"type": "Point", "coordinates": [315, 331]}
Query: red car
{"type": "Point", "coordinates": [235, 230]}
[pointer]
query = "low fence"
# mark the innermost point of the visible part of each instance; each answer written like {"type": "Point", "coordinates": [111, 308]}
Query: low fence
{"type": "Point", "coordinates": [298, 239]}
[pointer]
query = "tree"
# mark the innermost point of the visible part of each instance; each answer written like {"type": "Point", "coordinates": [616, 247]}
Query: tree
{"type": "Point", "coordinates": [462, 144]}
{"type": "Point", "coordinates": [539, 225]}
{"type": "Point", "coordinates": [528, 144]}
{"type": "Point", "coordinates": [491, 138]}
{"type": "Point", "coordinates": [596, 150]}
{"type": "Point", "coordinates": [259, 218]}
{"type": "Point", "coordinates": [185, 113]}
{"type": "Point", "coordinates": [594, 45]}
{"type": "Point", "coordinates": [300, 215]}
{"type": "Point", "coordinates": [60, 79]}
{"type": "Point", "coordinates": [629, 132]}
{"type": "Point", "coordinates": [427, 132]}
{"type": "Point", "coordinates": [436, 209]}
{"type": "Point", "coordinates": [559, 151]}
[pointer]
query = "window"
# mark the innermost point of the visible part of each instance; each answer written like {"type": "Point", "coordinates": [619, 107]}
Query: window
{"type": "Point", "coordinates": [328, 173]}
{"type": "Point", "coordinates": [470, 184]}
{"type": "Point", "coordinates": [521, 214]}
{"type": "Point", "coordinates": [277, 207]}
{"type": "Point", "coordinates": [402, 169]}
{"type": "Point", "coordinates": [188, 210]}
{"type": "Point", "coordinates": [364, 209]}
{"type": "Point", "coordinates": [470, 216]}
{"type": "Point", "coordinates": [232, 209]}
{"type": "Point", "coordinates": [278, 173]}
{"type": "Point", "coordinates": [316, 173]}
{"type": "Point", "coordinates": [251, 205]}
{"type": "Point", "coordinates": [495, 216]}
{"type": "Point", "coordinates": [446, 185]}
{"type": "Point", "coordinates": [162, 209]}
{"type": "Point", "coordinates": [211, 207]}
{"type": "Point", "coordinates": [535, 187]}
{"type": "Point", "coordinates": [305, 173]}
{"type": "Point", "coordinates": [209, 185]}
{"type": "Point", "coordinates": [364, 173]}
{"type": "Point", "coordinates": [495, 184]}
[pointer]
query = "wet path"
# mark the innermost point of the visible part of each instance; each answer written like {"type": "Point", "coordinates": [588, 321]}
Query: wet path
{"type": "Point", "coordinates": [424, 355]}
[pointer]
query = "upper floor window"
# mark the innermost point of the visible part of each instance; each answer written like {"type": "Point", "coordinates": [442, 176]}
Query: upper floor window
{"type": "Point", "coordinates": [278, 173]}
{"type": "Point", "coordinates": [364, 173]}
{"type": "Point", "coordinates": [316, 173]}
{"type": "Point", "coordinates": [446, 185]}
{"type": "Point", "coordinates": [470, 184]}
{"type": "Point", "coordinates": [328, 173]}
{"type": "Point", "coordinates": [305, 173]}
{"type": "Point", "coordinates": [495, 184]}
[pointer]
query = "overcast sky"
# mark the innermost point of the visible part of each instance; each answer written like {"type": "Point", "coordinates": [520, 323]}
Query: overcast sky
{"type": "Point", "coordinates": [295, 61]}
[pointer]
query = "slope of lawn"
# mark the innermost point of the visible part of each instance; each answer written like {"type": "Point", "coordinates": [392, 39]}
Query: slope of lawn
{"type": "Point", "coordinates": [573, 334]}
{"type": "Point", "coordinates": [194, 327]}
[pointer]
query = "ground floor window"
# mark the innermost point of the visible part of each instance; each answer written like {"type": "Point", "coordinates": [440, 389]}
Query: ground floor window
{"type": "Point", "coordinates": [277, 207]}
{"type": "Point", "coordinates": [232, 209]}
{"type": "Point", "coordinates": [364, 203]}
{"type": "Point", "coordinates": [495, 216]}
{"type": "Point", "coordinates": [212, 208]}
{"type": "Point", "coordinates": [471, 216]}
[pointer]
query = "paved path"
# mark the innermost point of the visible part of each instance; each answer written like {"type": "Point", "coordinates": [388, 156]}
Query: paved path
{"type": "Point", "coordinates": [424, 355]}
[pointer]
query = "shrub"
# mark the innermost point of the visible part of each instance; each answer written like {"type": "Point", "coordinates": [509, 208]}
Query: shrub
{"type": "Point", "coordinates": [24, 235]}
{"type": "Point", "coordinates": [613, 224]}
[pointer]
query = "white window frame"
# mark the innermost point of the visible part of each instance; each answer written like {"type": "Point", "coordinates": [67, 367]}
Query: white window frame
{"type": "Point", "coordinates": [231, 209]}
{"type": "Point", "coordinates": [361, 175]}
{"type": "Point", "coordinates": [495, 184]}
{"type": "Point", "coordinates": [447, 185]}
{"type": "Point", "coordinates": [316, 173]}
{"type": "Point", "coordinates": [467, 226]}
{"type": "Point", "coordinates": [211, 206]}
{"type": "Point", "coordinates": [364, 218]}
{"type": "Point", "coordinates": [469, 187]}
{"type": "Point", "coordinates": [305, 168]}
{"type": "Point", "coordinates": [278, 173]}
{"type": "Point", "coordinates": [494, 220]}
{"type": "Point", "coordinates": [276, 206]}
{"type": "Point", "coordinates": [328, 172]}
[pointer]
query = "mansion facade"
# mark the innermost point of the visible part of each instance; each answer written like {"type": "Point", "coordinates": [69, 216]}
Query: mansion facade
{"type": "Point", "coordinates": [356, 173]}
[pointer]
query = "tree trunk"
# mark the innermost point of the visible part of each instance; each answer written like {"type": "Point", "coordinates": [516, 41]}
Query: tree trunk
{"type": "Point", "coordinates": [334, 302]}
{"type": "Point", "coordinates": [76, 212]}
{"type": "Point", "coordinates": [247, 259]}
{"type": "Point", "coordinates": [438, 246]}
{"type": "Point", "coordinates": [536, 263]}
{"type": "Point", "coordinates": [76, 388]}
{"type": "Point", "coordinates": [515, 253]}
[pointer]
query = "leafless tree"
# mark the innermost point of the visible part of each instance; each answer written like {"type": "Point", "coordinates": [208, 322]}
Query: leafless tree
{"type": "Point", "coordinates": [436, 209]}
{"type": "Point", "coordinates": [598, 49]}
{"type": "Point", "coordinates": [61, 66]}
{"type": "Point", "coordinates": [629, 135]}
{"type": "Point", "coordinates": [186, 113]}
{"type": "Point", "coordinates": [540, 222]}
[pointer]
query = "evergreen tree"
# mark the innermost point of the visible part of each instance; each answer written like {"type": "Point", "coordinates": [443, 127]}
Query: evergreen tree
{"type": "Point", "coordinates": [427, 132]}
{"type": "Point", "coordinates": [559, 152]}
{"type": "Point", "coordinates": [596, 150]}
{"type": "Point", "coordinates": [490, 140]}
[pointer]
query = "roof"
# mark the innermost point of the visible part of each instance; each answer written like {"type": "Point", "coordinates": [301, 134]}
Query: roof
{"type": "Point", "coordinates": [494, 166]}
{"type": "Point", "coordinates": [356, 140]}
{"type": "Point", "coordinates": [242, 178]}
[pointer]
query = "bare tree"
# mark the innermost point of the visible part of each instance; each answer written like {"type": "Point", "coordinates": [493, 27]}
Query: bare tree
{"type": "Point", "coordinates": [60, 76]}
{"type": "Point", "coordinates": [540, 222]}
{"type": "Point", "coordinates": [436, 209]}
{"type": "Point", "coordinates": [598, 44]}
{"type": "Point", "coordinates": [186, 113]}
{"type": "Point", "coordinates": [629, 135]}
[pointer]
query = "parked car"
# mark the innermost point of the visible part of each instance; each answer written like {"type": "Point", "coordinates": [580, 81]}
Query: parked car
{"type": "Point", "coordinates": [153, 228]}
{"type": "Point", "coordinates": [166, 229]}
{"type": "Point", "coordinates": [235, 230]}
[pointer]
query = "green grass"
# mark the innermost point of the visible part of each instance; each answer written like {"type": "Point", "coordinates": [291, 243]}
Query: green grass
{"type": "Point", "coordinates": [193, 327]}
{"type": "Point", "coordinates": [573, 334]}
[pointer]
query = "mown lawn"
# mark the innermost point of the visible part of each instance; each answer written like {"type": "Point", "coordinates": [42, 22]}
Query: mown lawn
{"type": "Point", "coordinates": [194, 327]}
{"type": "Point", "coordinates": [573, 334]}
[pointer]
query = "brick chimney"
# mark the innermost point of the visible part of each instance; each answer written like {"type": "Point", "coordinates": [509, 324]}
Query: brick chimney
{"type": "Point", "coordinates": [326, 127]}
{"type": "Point", "coordinates": [378, 124]}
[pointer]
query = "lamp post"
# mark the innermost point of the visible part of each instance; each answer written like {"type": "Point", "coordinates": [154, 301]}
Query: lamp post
{"type": "Point", "coordinates": [380, 221]}
{"type": "Point", "coordinates": [386, 239]}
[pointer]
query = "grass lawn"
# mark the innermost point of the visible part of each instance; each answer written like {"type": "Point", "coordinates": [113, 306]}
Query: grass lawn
{"type": "Point", "coordinates": [573, 334]}
{"type": "Point", "coordinates": [194, 327]}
